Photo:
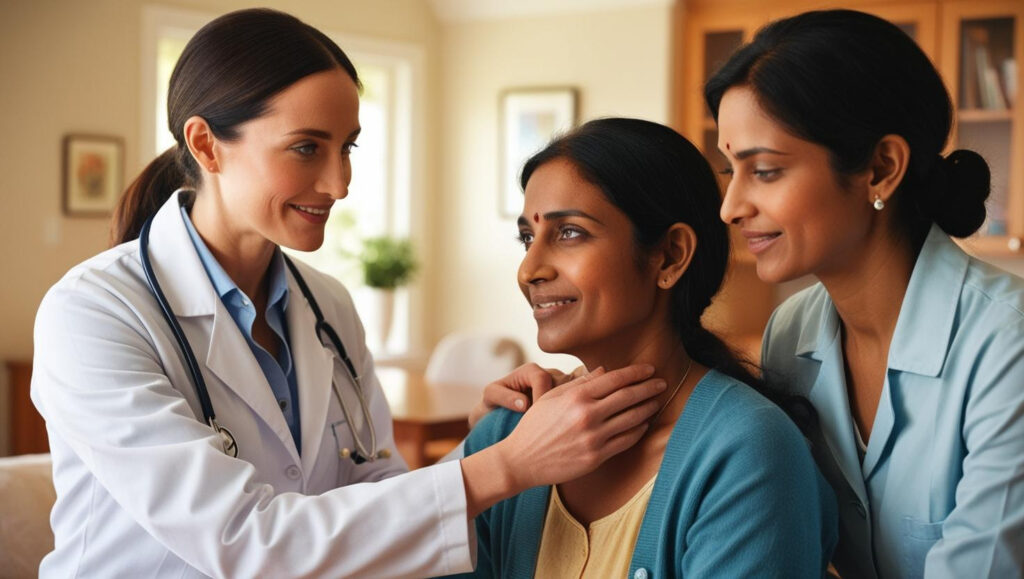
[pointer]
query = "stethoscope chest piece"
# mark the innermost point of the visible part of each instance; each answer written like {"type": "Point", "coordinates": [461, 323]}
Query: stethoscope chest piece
{"type": "Point", "coordinates": [358, 458]}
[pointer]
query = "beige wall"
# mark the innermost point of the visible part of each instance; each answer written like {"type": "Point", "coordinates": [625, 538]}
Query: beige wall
{"type": "Point", "coordinates": [74, 66]}
{"type": "Point", "coordinates": [619, 61]}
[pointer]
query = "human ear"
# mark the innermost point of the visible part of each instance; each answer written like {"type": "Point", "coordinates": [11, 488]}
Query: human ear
{"type": "Point", "coordinates": [887, 168]}
{"type": "Point", "coordinates": [677, 250]}
{"type": "Point", "coordinates": [200, 140]}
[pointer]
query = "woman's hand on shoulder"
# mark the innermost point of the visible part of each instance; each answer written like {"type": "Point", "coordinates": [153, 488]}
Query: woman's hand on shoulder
{"type": "Point", "coordinates": [518, 390]}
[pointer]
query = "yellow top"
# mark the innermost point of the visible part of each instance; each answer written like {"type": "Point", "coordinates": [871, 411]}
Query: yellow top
{"type": "Point", "coordinates": [568, 549]}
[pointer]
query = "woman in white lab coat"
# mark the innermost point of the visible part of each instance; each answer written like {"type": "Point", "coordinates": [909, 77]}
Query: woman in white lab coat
{"type": "Point", "coordinates": [264, 109]}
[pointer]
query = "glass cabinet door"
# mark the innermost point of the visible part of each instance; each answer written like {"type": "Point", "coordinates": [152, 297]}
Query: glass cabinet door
{"type": "Point", "coordinates": [983, 61]}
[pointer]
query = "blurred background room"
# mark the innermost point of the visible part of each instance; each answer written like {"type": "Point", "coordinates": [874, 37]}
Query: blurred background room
{"type": "Point", "coordinates": [456, 91]}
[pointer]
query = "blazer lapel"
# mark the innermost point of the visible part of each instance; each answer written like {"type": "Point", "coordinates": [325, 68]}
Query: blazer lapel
{"type": "Point", "coordinates": [881, 430]}
{"type": "Point", "coordinates": [829, 397]}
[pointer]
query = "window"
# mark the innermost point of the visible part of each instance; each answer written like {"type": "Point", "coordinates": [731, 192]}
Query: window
{"type": "Point", "coordinates": [379, 201]}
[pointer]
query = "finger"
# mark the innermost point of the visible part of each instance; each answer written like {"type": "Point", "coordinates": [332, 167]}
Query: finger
{"type": "Point", "coordinates": [630, 418]}
{"type": "Point", "coordinates": [630, 395]}
{"type": "Point", "coordinates": [623, 441]}
{"type": "Point", "coordinates": [604, 384]}
{"type": "Point", "coordinates": [497, 394]}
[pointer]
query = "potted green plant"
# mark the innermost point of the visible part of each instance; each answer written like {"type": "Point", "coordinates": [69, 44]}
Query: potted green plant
{"type": "Point", "coordinates": [387, 263]}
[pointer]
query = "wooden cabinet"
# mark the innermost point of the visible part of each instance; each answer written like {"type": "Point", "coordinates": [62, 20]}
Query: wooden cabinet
{"type": "Point", "coordinates": [27, 428]}
{"type": "Point", "coordinates": [978, 47]}
{"type": "Point", "coordinates": [983, 53]}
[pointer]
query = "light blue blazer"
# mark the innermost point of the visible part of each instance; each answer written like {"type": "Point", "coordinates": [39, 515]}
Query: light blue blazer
{"type": "Point", "coordinates": [940, 491]}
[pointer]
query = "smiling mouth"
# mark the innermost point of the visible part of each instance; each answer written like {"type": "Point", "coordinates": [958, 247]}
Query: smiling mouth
{"type": "Point", "coordinates": [763, 238]}
{"type": "Point", "coordinates": [311, 210]}
{"type": "Point", "coordinates": [552, 304]}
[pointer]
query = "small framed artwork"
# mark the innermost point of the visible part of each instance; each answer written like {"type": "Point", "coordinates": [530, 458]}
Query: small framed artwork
{"type": "Point", "coordinates": [93, 174]}
{"type": "Point", "coordinates": [529, 119]}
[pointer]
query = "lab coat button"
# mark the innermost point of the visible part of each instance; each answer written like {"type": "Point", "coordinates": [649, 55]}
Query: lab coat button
{"type": "Point", "coordinates": [292, 472]}
{"type": "Point", "coordinates": [640, 574]}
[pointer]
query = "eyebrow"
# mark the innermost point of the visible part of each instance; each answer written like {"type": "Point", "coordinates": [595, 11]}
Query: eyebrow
{"type": "Point", "coordinates": [553, 215]}
{"type": "Point", "coordinates": [325, 135]}
{"type": "Point", "coordinates": [740, 155]}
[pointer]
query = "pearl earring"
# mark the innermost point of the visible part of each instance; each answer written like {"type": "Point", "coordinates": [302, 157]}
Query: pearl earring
{"type": "Point", "coordinates": [878, 204]}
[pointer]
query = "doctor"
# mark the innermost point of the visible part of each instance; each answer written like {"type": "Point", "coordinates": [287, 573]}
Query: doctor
{"type": "Point", "coordinates": [247, 463]}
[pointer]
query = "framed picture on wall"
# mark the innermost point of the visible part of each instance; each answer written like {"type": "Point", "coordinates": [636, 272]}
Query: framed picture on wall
{"type": "Point", "coordinates": [530, 117]}
{"type": "Point", "coordinates": [93, 174]}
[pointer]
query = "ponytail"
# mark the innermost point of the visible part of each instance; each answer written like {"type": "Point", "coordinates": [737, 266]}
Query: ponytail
{"type": "Point", "coordinates": [144, 197]}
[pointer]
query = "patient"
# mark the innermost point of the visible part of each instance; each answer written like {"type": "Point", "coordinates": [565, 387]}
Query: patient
{"type": "Point", "coordinates": [624, 251]}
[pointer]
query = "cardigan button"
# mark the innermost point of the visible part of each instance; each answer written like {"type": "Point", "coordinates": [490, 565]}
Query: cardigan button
{"type": "Point", "coordinates": [640, 574]}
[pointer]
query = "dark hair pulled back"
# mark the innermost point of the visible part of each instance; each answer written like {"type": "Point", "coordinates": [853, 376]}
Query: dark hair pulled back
{"type": "Point", "coordinates": [227, 74]}
{"type": "Point", "coordinates": [658, 178]}
{"type": "Point", "coordinates": [844, 79]}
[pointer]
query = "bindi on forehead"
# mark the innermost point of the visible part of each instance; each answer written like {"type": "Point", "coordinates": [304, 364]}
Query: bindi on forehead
{"type": "Point", "coordinates": [536, 218]}
{"type": "Point", "coordinates": [728, 147]}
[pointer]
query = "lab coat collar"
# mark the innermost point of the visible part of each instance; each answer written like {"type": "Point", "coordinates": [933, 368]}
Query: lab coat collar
{"type": "Point", "coordinates": [190, 293]}
{"type": "Point", "coordinates": [314, 369]}
{"type": "Point", "coordinates": [175, 261]}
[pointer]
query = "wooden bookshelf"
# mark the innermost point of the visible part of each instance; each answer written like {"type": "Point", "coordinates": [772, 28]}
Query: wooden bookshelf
{"type": "Point", "coordinates": [706, 32]}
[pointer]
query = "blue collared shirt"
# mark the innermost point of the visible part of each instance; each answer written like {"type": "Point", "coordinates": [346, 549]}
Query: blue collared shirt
{"type": "Point", "coordinates": [280, 372]}
{"type": "Point", "coordinates": [939, 491]}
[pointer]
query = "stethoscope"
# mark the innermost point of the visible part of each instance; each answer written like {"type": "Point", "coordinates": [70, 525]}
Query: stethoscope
{"type": "Point", "coordinates": [360, 455]}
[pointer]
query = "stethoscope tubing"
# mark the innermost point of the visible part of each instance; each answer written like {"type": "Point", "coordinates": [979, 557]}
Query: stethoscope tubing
{"type": "Point", "coordinates": [360, 455]}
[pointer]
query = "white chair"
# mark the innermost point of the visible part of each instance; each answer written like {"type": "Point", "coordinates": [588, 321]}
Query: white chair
{"type": "Point", "coordinates": [476, 358]}
{"type": "Point", "coordinates": [26, 498]}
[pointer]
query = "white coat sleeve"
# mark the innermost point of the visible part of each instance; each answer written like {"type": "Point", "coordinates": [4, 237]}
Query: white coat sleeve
{"type": "Point", "coordinates": [100, 385]}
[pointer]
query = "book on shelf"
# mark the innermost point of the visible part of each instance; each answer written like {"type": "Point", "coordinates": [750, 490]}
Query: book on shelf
{"type": "Point", "coordinates": [1009, 70]}
{"type": "Point", "coordinates": [990, 91]}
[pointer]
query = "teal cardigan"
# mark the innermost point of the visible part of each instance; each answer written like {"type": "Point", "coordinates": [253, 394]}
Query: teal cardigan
{"type": "Point", "coordinates": [737, 495]}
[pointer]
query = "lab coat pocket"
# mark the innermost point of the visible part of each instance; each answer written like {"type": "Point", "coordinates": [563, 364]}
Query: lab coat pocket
{"type": "Point", "coordinates": [918, 538]}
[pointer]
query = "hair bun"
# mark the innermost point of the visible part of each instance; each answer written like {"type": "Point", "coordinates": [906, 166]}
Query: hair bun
{"type": "Point", "coordinates": [962, 183]}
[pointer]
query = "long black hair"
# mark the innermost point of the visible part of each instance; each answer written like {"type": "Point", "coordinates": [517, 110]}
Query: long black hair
{"type": "Point", "coordinates": [844, 79]}
{"type": "Point", "coordinates": [227, 74]}
{"type": "Point", "coordinates": [658, 178]}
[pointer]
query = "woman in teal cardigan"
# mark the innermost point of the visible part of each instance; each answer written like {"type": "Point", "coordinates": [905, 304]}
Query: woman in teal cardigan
{"type": "Point", "coordinates": [624, 251]}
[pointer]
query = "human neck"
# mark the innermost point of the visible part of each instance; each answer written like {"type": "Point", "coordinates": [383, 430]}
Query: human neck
{"type": "Point", "coordinates": [664, 351]}
{"type": "Point", "coordinates": [244, 258]}
{"type": "Point", "coordinates": [868, 293]}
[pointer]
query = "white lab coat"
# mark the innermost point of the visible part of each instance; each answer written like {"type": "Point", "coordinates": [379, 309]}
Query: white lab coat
{"type": "Point", "coordinates": [143, 487]}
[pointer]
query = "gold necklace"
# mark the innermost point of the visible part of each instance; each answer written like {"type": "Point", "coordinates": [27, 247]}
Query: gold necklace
{"type": "Point", "coordinates": [673, 395]}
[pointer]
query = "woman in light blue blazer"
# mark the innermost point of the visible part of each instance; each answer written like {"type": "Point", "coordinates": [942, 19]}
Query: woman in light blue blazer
{"type": "Point", "coordinates": [910, 350]}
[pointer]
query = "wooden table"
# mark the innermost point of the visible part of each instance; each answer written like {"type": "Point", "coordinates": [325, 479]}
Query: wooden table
{"type": "Point", "coordinates": [422, 412]}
